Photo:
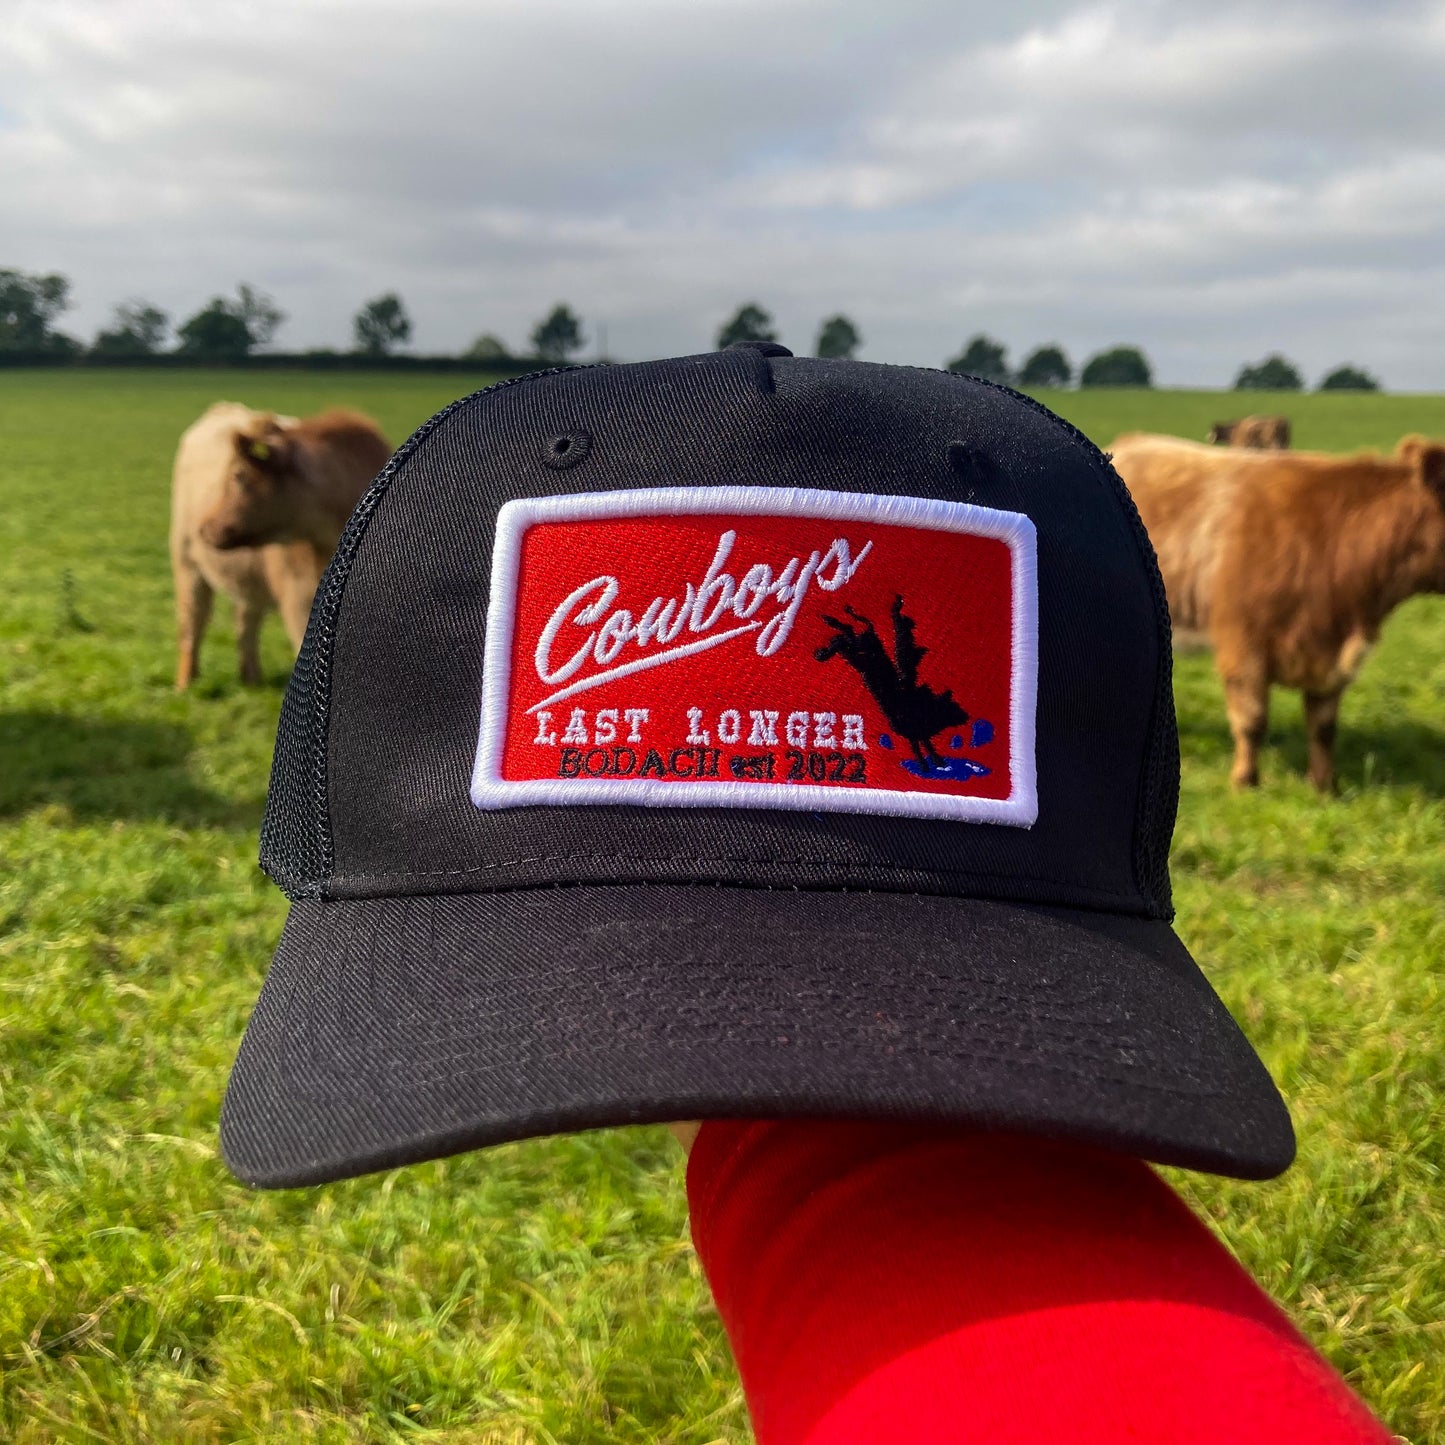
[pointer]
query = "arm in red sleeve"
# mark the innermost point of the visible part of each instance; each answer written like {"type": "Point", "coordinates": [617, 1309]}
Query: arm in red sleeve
{"type": "Point", "coordinates": [885, 1284]}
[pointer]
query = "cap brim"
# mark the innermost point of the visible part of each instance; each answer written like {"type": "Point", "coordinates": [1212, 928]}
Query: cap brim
{"type": "Point", "coordinates": [400, 1029]}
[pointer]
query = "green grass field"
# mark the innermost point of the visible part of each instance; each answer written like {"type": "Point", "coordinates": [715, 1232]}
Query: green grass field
{"type": "Point", "coordinates": [546, 1291]}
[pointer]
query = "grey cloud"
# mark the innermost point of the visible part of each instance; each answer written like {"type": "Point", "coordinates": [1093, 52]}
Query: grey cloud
{"type": "Point", "coordinates": [1210, 184]}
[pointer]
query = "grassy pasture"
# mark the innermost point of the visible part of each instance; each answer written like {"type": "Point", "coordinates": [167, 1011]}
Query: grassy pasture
{"type": "Point", "coordinates": [545, 1291]}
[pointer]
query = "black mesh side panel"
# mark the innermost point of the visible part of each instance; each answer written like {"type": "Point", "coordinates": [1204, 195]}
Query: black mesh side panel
{"type": "Point", "coordinates": [293, 833]}
{"type": "Point", "coordinates": [1159, 783]}
{"type": "Point", "coordinates": [1158, 801]}
{"type": "Point", "coordinates": [296, 830]}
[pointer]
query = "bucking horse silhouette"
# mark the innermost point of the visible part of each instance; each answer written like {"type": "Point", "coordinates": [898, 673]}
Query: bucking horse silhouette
{"type": "Point", "coordinates": [914, 709]}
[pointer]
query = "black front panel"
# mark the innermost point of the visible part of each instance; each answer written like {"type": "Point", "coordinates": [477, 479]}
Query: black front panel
{"type": "Point", "coordinates": [405, 676]}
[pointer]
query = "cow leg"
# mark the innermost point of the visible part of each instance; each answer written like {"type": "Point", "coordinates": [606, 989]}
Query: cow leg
{"type": "Point", "coordinates": [293, 571]}
{"type": "Point", "coordinates": [193, 612]}
{"type": "Point", "coordinates": [1246, 700]}
{"type": "Point", "coordinates": [294, 597]}
{"type": "Point", "coordinates": [1322, 711]}
{"type": "Point", "coordinates": [251, 608]}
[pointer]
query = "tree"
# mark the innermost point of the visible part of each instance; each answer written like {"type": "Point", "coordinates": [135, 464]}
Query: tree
{"type": "Point", "coordinates": [214, 333]}
{"type": "Point", "coordinates": [557, 335]}
{"type": "Point", "coordinates": [136, 329]}
{"type": "Point", "coordinates": [1349, 378]}
{"type": "Point", "coordinates": [838, 338]}
{"type": "Point", "coordinates": [1119, 366]}
{"type": "Point", "coordinates": [28, 304]}
{"type": "Point", "coordinates": [751, 323]}
{"type": "Point", "coordinates": [1274, 373]}
{"type": "Point", "coordinates": [260, 313]}
{"type": "Point", "coordinates": [487, 349]}
{"type": "Point", "coordinates": [381, 325]}
{"type": "Point", "coordinates": [982, 357]}
{"type": "Point", "coordinates": [226, 330]}
{"type": "Point", "coordinates": [1047, 366]}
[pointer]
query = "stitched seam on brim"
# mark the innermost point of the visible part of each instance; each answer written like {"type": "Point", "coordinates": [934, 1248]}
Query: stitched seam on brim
{"type": "Point", "coordinates": [345, 1087]}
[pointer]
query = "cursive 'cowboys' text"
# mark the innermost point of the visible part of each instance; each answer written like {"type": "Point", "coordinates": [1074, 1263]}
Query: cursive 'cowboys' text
{"type": "Point", "coordinates": [620, 642]}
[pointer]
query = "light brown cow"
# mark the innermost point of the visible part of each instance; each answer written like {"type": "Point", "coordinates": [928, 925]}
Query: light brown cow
{"type": "Point", "coordinates": [258, 502]}
{"type": "Point", "coordinates": [1264, 433]}
{"type": "Point", "coordinates": [1289, 563]}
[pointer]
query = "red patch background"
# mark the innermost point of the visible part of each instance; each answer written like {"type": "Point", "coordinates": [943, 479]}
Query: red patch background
{"type": "Point", "coordinates": [956, 587]}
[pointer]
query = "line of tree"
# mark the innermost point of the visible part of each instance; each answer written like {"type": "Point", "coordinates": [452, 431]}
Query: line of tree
{"type": "Point", "coordinates": [1278, 373]}
{"type": "Point", "coordinates": [235, 328]}
{"type": "Point", "coordinates": [1048, 367]}
{"type": "Point", "coordinates": [838, 338]}
{"type": "Point", "coordinates": [224, 328]}
{"type": "Point", "coordinates": [982, 356]}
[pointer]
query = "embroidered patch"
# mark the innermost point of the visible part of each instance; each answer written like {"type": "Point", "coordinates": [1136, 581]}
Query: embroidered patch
{"type": "Point", "coordinates": [761, 647]}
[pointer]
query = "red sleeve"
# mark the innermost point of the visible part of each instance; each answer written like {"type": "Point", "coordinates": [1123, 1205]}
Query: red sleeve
{"type": "Point", "coordinates": [885, 1284]}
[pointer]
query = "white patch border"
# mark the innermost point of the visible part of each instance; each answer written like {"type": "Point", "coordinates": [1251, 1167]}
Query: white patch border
{"type": "Point", "coordinates": [1020, 809]}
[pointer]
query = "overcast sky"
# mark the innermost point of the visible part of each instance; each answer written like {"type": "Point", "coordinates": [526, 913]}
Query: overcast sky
{"type": "Point", "coordinates": [1211, 182]}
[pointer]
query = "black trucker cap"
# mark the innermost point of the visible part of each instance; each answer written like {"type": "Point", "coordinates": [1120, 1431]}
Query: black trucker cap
{"type": "Point", "coordinates": [736, 735]}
